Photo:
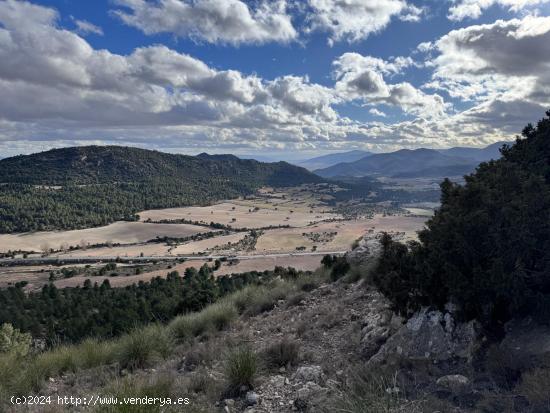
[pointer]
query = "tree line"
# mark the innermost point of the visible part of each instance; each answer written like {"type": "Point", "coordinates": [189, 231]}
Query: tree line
{"type": "Point", "coordinates": [71, 314]}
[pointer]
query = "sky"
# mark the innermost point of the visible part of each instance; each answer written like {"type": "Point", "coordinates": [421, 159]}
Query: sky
{"type": "Point", "coordinates": [278, 78]}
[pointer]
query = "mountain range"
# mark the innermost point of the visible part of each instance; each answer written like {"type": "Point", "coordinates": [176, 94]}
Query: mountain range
{"type": "Point", "coordinates": [413, 163]}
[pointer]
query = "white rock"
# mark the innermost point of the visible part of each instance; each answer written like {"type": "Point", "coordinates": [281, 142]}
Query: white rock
{"type": "Point", "coordinates": [453, 381]}
{"type": "Point", "coordinates": [252, 398]}
{"type": "Point", "coordinates": [309, 374]}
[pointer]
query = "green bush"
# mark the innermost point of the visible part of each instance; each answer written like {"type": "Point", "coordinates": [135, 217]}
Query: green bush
{"type": "Point", "coordinates": [13, 341]}
{"type": "Point", "coordinates": [487, 248]}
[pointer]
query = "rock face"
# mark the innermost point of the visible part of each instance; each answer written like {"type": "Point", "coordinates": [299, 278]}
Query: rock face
{"type": "Point", "coordinates": [375, 331]}
{"type": "Point", "coordinates": [430, 336]}
{"type": "Point", "coordinates": [367, 252]}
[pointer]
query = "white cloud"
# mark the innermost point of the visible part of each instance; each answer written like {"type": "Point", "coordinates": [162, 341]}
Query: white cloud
{"type": "Point", "coordinates": [57, 89]}
{"type": "Point", "coordinates": [84, 27]}
{"type": "Point", "coordinates": [376, 112]}
{"type": "Point", "coordinates": [75, 90]}
{"type": "Point", "coordinates": [354, 20]}
{"type": "Point", "coordinates": [214, 21]}
{"type": "Point", "coordinates": [503, 68]}
{"type": "Point", "coordinates": [361, 77]}
{"type": "Point", "coordinates": [474, 8]}
{"type": "Point", "coordinates": [506, 59]}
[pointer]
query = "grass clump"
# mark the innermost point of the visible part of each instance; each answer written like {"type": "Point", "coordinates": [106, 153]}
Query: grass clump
{"type": "Point", "coordinates": [142, 347]}
{"type": "Point", "coordinates": [379, 392]}
{"type": "Point", "coordinates": [265, 299]}
{"type": "Point", "coordinates": [92, 353]}
{"type": "Point", "coordinates": [216, 317]}
{"type": "Point", "coordinates": [240, 369]}
{"type": "Point", "coordinates": [284, 353]}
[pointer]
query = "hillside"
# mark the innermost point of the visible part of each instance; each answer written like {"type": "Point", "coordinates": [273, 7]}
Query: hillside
{"type": "Point", "coordinates": [325, 161]}
{"type": "Point", "coordinates": [405, 162]}
{"type": "Point", "coordinates": [89, 186]}
{"type": "Point", "coordinates": [111, 164]}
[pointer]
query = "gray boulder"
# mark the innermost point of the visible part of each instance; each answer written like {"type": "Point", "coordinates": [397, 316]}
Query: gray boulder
{"type": "Point", "coordinates": [454, 382]}
{"type": "Point", "coordinates": [309, 374]}
{"type": "Point", "coordinates": [366, 253]}
{"type": "Point", "coordinates": [430, 336]}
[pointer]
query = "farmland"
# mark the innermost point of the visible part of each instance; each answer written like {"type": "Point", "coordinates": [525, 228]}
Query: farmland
{"type": "Point", "coordinates": [291, 227]}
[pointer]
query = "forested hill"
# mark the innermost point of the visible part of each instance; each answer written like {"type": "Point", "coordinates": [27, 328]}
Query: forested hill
{"type": "Point", "coordinates": [109, 164]}
{"type": "Point", "coordinates": [82, 187]}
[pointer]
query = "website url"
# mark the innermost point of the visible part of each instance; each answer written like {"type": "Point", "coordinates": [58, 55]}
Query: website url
{"type": "Point", "coordinates": [96, 400]}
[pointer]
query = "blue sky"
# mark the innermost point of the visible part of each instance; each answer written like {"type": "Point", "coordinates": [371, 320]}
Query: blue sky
{"type": "Point", "coordinates": [285, 78]}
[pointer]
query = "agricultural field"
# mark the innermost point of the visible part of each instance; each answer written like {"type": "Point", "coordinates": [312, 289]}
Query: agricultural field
{"type": "Point", "coordinates": [244, 214]}
{"type": "Point", "coordinates": [116, 233]}
{"type": "Point", "coordinates": [292, 227]}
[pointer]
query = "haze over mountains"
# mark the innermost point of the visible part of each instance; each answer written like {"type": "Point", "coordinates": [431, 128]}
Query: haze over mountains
{"type": "Point", "coordinates": [407, 163]}
{"type": "Point", "coordinates": [325, 161]}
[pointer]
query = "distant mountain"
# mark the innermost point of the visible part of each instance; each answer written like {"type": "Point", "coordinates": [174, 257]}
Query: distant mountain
{"type": "Point", "coordinates": [325, 161]}
{"type": "Point", "coordinates": [405, 162]}
{"type": "Point", "coordinates": [416, 163]}
{"type": "Point", "coordinates": [102, 184]}
{"type": "Point", "coordinates": [479, 154]}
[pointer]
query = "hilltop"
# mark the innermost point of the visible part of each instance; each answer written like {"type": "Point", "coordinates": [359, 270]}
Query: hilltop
{"type": "Point", "coordinates": [82, 187]}
{"type": "Point", "coordinates": [111, 164]}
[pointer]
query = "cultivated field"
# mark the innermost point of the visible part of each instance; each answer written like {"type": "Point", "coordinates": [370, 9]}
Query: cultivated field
{"type": "Point", "coordinates": [241, 215]}
{"type": "Point", "coordinates": [292, 221]}
{"type": "Point", "coordinates": [206, 245]}
{"type": "Point", "coordinates": [118, 232]}
{"type": "Point", "coordinates": [291, 239]}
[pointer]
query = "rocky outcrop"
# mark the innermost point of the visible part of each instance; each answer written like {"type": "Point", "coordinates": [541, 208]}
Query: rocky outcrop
{"type": "Point", "coordinates": [365, 253]}
{"type": "Point", "coordinates": [431, 336]}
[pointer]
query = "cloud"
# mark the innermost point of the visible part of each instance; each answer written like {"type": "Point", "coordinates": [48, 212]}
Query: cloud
{"type": "Point", "coordinates": [354, 20]}
{"type": "Point", "coordinates": [213, 21]}
{"type": "Point", "coordinates": [376, 112]}
{"type": "Point", "coordinates": [506, 59]}
{"type": "Point", "coordinates": [502, 68]}
{"type": "Point", "coordinates": [84, 27]}
{"type": "Point", "coordinates": [362, 77]}
{"type": "Point", "coordinates": [474, 8]}
{"type": "Point", "coordinates": [153, 93]}
{"type": "Point", "coordinates": [59, 90]}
